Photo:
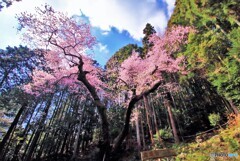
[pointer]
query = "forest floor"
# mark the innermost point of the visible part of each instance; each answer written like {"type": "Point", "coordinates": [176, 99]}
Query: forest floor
{"type": "Point", "coordinates": [223, 146]}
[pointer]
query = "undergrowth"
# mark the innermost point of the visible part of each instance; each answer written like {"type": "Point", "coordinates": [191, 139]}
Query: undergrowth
{"type": "Point", "coordinates": [221, 147]}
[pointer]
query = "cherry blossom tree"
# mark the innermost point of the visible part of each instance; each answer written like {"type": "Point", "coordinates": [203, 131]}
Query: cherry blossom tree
{"type": "Point", "coordinates": [66, 43]}
{"type": "Point", "coordinates": [144, 76]}
{"type": "Point", "coordinates": [140, 74]}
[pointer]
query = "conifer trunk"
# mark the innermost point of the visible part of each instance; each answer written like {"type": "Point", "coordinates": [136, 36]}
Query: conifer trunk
{"type": "Point", "coordinates": [38, 131]}
{"type": "Point", "coordinates": [4, 78]}
{"type": "Point", "coordinates": [138, 131]}
{"type": "Point", "coordinates": [234, 108]}
{"type": "Point", "coordinates": [10, 130]}
{"type": "Point", "coordinates": [143, 135]}
{"type": "Point", "coordinates": [25, 133]}
{"type": "Point", "coordinates": [75, 152]}
{"type": "Point", "coordinates": [171, 118]}
{"type": "Point", "coordinates": [156, 129]}
{"type": "Point", "coordinates": [148, 113]}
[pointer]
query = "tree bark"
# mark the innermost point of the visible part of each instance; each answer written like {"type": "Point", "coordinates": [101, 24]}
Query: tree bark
{"type": "Point", "coordinates": [64, 141]}
{"type": "Point", "coordinates": [133, 101]}
{"type": "Point", "coordinates": [156, 128]}
{"type": "Point", "coordinates": [234, 108]}
{"type": "Point", "coordinates": [138, 131]}
{"type": "Point", "coordinates": [148, 113]}
{"type": "Point", "coordinates": [143, 135]}
{"type": "Point", "coordinates": [10, 130]}
{"type": "Point", "coordinates": [38, 131]}
{"type": "Point", "coordinates": [4, 78]}
{"type": "Point", "coordinates": [25, 133]}
{"type": "Point", "coordinates": [105, 146]}
{"type": "Point", "coordinates": [78, 135]}
{"type": "Point", "coordinates": [173, 125]}
{"type": "Point", "coordinates": [27, 146]}
{"type": "Point", "coordinates": [105, 143]}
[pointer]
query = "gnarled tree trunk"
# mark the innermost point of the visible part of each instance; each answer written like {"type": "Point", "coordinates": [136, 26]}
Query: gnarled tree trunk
{"type": "Point", "coordinates": [101, 108]}
{"type": "Point", "coordinates": [118, 141]}
{"type": "Point", "coordinates": [105, 142]}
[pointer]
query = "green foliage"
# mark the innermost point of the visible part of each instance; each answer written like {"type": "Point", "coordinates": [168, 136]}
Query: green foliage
{"type": "Point", "coordinates": [233, 144]}
{"type": "Point", "coordinates": [165, 133]}
{"type": "Point", "coordinates": [225, 142]}
{"type": "Point", "coordinates": [213, 51]}
{"type": "Point", "coordinates": [121, 55]}
{"type": "Point", "coordinates": [10, 103]}
{"type": "Point", "coordinates": [113, 65]}
{"type": "Point", "coordinates": [214, 119]}
{"type": "Point", "coordinates": [147, 31]}
{"type": "Point", "coordinates": [17, 65]}
{"type": "Point", "coordinates": [96, 134]}
{"type": "Point", "coordinates": [116, 117]}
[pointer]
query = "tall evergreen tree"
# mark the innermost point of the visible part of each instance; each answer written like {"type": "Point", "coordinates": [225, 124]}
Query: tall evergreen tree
{"type": "Point", "coordinates": [17, 65]}
{"type": "Point", "coordinates": [213, 51]}
{"type": "Point", "coordinates": [147, 31]}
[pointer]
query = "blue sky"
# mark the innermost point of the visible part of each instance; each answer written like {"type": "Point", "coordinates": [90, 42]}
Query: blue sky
{"type": "Point", "coordinates": [115, 22]}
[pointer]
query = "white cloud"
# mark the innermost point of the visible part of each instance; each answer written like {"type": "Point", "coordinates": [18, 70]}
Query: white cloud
{"type": "Point", "coordinates": [101, 53]}
{"type": "Point", "coordinates": [8, 27]}
{"type": "Point", "coordinates": [102, 48]}
{"type": "Point", "coordinates": [105, 33]}
{"type": "Point", "coordinates": [171, 5]}
{"type": "Point", "coordinates": [129, 15]}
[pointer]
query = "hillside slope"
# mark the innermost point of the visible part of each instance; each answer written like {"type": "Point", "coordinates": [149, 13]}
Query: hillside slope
{"type": "Point", "coordinates": [223, 146]}
{"type": "Point", "coordinates": [213, 52]}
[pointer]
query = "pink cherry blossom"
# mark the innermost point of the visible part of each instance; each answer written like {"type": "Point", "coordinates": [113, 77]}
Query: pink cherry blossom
{"type": "Point", "coordinates": [140, 74]}
{"type": "Point", "coordinates": [65, 42]}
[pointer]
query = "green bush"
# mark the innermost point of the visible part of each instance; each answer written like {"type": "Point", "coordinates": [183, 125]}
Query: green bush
{"type": "Point", "coordinates": [164, 133]}
{"type": "Point", "coordinates": [234, 145]}
{"type": "Point", "coordinates": [214, 119]}
{"type": "Point", "coordinates": [96, 134]}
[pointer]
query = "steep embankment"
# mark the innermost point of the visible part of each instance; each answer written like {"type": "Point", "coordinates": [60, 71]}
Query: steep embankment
{"type": "Point", "coordinates": [223, 146]}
